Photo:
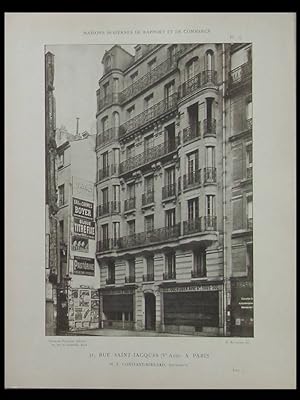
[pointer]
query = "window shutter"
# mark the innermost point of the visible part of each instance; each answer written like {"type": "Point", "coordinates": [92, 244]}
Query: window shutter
{"type": "Point", "coordinates": [237, 212]}
{"type": "Point", "coordinates": [237, 162]}
{"type": "Point", "coordinates": [239, 259]}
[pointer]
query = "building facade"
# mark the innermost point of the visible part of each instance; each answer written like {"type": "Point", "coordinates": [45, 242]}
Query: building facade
{"type": "Point", "coordinates": [166, 246]}
{"type": "Point", "coordinates": [78, 273]}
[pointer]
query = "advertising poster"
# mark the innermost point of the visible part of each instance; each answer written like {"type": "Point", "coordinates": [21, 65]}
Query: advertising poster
{"type": "Point", "coordinates": [80, 244]}
{"type": "Point", "coordinates": [84, 227]}
{"type": "Point", "coordinates": [83, 208]}
{"type": "Point", "coordinates": [84, 266]}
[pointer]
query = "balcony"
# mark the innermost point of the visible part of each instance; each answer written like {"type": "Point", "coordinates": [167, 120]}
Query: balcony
{"type": "Point", "coordinates": [169, 275]}
{"type": "Point", "coordinates": [108, 100]}
{"type": "Point", "coordinates": [102, 173]}
{"type": "Point", "coordinates": [155, 236]}
{"type": "Point", "coordinates": [129, 204]}
{"type": "Point", "coordinates": [148, 156]}
{"type": "Point", "coordinates": [192, 179]}
{"type": "Point", "coordinates": [164, 68]}
{"type": "Point", "coordinates": [130, 279]}
{"type": "Point", "coordinates": [110, 281]}
{"type": "Point", "coordinates": [148, 198]}
{"type": "Point", "coordinates": [199, 224]}
{"type": "Point", "coordinates": [209, 127]}
{"type": "Point", "coordinates": [197, 82]}
{"type": "Point", "coordinates": [113, 207]}
{"type": "Point", "coordinates": [165, 106]}
{"type": "Point", "coordinates": [169, 191]}
{"type": "Point", "coordinates": [240, 76]}
{"type": "Point", "coordinates": [148, 277]}
{"type": "Point", "coordinates": [107, 244]}
{"type": "Point", "coordinates": [107, 136]}
{"type": "Point", "coordinates": [210, 175]}
{"type": "Point", "coordinates": [250, 224]}
{"type": "Point", "coordinates": [198, 274]}
{"type": "Point", "coordinates": [191, 132]}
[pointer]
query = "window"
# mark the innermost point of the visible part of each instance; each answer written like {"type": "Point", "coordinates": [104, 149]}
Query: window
{"type": "Point", "coordinates": [199, 264]}
{"type": "Point", "coordinates": [116, 232]}
{"type": "Point", "coordinates": [105, 196]}
{"type": "Point", "coordinates": [149, 184]}
{"type": "Point", "coordinates": [209, 60]}
{"type": "Point", "coordinates": [210, 205]}
{"type": "Point", "coordinates": [104, 233]}
{"type": "Point", "coordinates": [130, 112]}
{"type": "Point", "coordinates": [116, 85]}
{"type": "Point", "coordinates": [116, 157]}
{"type": "Point", "coordinates": [131, 268]}
{"type": "Point", "coordinates": [172, 53]}
{"type": "Point", "coordinates": [134, 76]}
{"type": "Point", "coordinates": [105, 161]}
{"type": "Point", "coordinates": [61, 195]}
{"type": "Point", "coordinates": [61, 230]}
{"type": "Point", "coordinates": [209, 112]}
{"type": "Point", "coordinates": [131, 227]}
{"type": "Point", "coordinates": [148, 143]}
{"type": "Point", "coordinates": [116, 193]}
{"type": "Point", "coordinates": [249, 110]}
{"type": "Point", "coordinates": [149, 223]}
{"type": "Point", "coordinates": [170, 266]}
{"type": "Point", "coordinates": [148, 102]}
{"type": "Point", "coordinates": [150, 267]}
{"type": "Point", "coordinates": [170, 176]}
{"type": "Point", "coordinates": [61, 160]}
{"type": "Point", "coordinates": [193, 209]}
{"type": "Point", "coordinates": [169, 89]}
{"type": "Point", "coordinates": [151, 65]}
{"type": "Point", "coordinates": [131, 191]}
{"type": "Point", "coordinates": [192, 162]}
{"type": "Point", "coordinates": [210, 157]}
{"type": "Point", "coordinates": [249, 213]}
{"type": "Point", "coordinates": [249, 260]}
{"type": "Point", "coordinates": [130, 151]}
{"type": "Point", "coordinates": [191, 68]}
{"type": "Point", "coordinates": [104, 124]}
{"type": "Point", "coordinates": [170, 218]}
{"type": "Point", "coordinates": [111, 270]}
{"type": "Point", "coordinates": [249, 160]}
{"type": "Point", "coordinates": [105, 89]}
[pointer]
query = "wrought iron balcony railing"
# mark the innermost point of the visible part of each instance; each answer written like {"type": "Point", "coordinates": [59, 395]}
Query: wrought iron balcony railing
{"type": "Point", "coordinates": [103, 173]}
{"type": "Point", "coordinates": [151, 77]}
{"type": "Point", "coordinates": [148, 198]}
{"type": "Point", "coordinates": [198, 81]}
{"type": "Point", "coordinates": [103, 209]}
{"type": "Point", "coordinates": [108, 244]}
{"type": "Point", "coordinates": [210, 175]}
{"type": "Point", "coordinates": [199, 224]}
{"type": "Point", "coordinates": [155, 236]}
{"type": "Point", "coordinates": [169, 191]}
{"type": "Point", "coordinates": [240, 75]}
{"type": "Point", "coordinates": [191, 132]}
{"type": "Point", "coordinates": [108, 100]}
{"type": "Point", "coordinates": [209, 127]}
{"type": "Point", "coordinates": [129, 204]}
{"type": "Point", "coordinates": [249, 172]}
{"type": "Point", "coordinates": [107, 136]}
{"type": "Point", "coordinates": [148, 277]}
{"type": "Point", "coordinates": [193, 178]}
{"type": "Point", "coordinates": [110, 281]}
{"type": "Point", "coordinates": [148, 156]}
{"type": "Point", "coordinates": [130, 279]}
{"type": "Point", "coordinates": [198, 273]}
{"type": "Point", "coordinates": [113, 207]}
{"type": "Point", "coordinates": [157, 110]}
{"type": "Point", "coordinates": [169, 275]}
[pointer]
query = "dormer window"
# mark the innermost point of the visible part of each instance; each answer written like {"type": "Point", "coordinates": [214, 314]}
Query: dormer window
{"type": "Point", "coordinates": [108, 63]}
{"type": "Point", "coordinates": [138, 52]}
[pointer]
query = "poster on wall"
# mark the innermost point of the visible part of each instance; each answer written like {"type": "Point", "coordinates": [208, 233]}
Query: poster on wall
{"type": "Point", "coordinates": [84, 266]}
{"type": "Point", "coordinates": [83, 189]}
{"type": "Point", "coordinates": [84, 228]}
{"type": "Point", "coordinates": [80, 244]}
{"type": "Point", "coordinates": [83, 208]}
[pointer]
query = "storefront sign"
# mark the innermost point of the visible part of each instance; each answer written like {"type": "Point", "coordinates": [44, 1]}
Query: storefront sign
{"type": "Point", "coordinates": [84, 266]}
{"type": "Point", "coordinates": [82, 208]}
{"type": "Point", "coordinates": [80, 244]}
{"type": "Point", "coordinates": [200, 288]}
{"type": "Point", "coordinates": [84, 227]}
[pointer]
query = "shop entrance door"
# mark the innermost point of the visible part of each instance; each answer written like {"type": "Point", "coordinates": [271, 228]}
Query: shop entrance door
{"type": "Point", "coordinates": [150, 311]}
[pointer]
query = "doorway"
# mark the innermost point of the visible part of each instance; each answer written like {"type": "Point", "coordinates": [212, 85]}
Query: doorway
{"type": "Point", "coordinates": [150, 316]}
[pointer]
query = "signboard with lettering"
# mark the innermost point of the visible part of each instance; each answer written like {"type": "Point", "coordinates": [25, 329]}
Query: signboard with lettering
{"type": "Point", "coordinates": [83, 208]}
{"type": "Point", "coordinates": [200, 288]}
{"type": "Point", "coordinates": [84, 227]}
{"type": "Point", "coordinates": [84, 266]}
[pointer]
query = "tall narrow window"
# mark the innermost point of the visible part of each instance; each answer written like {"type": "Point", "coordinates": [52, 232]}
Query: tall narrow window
{"type": "Point", "coordinates": [116, 232]}
{"type": "Point", "coordinates": [249, 213]}
{"type": "Point", "coordinates": [210, 156]}
{"type": "Point", "coordinates": [104, 124]}
{"type": "Point", "coordinates": [169, 89]}
{"type": "Point", "coordinates": [116, 159]}
{"type": "Point", "coordinates": [130, 112]}
{"type": "Point", "coordinates": [210, 205]}
{"type": "Point", "coordinates": [209, 112]}
{"type": "Point", "coordinates": [148, 145]}
{"type": "Point", "coordinates": [209, 60]}
{"type": "Point", "coordinates": [111, 273]}
{"type": "Point", "coordinates": [170, 266]}
{"type": "Point", "coordinates": [249, 160]}
{"type": "Point", "coordinates": [148, 102]}
{"type": "Point", "coordinates": [61, 160]}
{"type": "Point", "coordinates": [131, 191]}
{"type": "Point", "coordinates": [199, 264]}
{"type": "Point", "coordinates": [131, 227]}
{"type": "Point", "coordinates": [150, 268]}
{"type": "Point", "coordinates": [172, 53]}
{"type": "Point", "coordinates": [191, 68]}
{"type": "Point", "coordinates": [105, 89]}
{"type": "Point", "coordinates": [116, 193]}
{"type": "Point", "coordinates": [149, 184]}
{"type": "Point", "coordinates": [170, 176]}
{"type": "Point", "coordinates": [61, 230]}
{"type": "Point", "coordinates": [249, 260]}
{"type": "Point", "coordinates": [104, 235]}
{"type": "Point", "coordinates": [105, 164]}
{"type": "Point", "coordinates": [131, 268]}
{"type": "Point", "coordinates": [170, 218]}
{"type": "Point", "coordinates": [61, 195]}
{"type": "Point", "coordinates": [116, 85]}
{"type": "Point", "coordinates": [192, 162]}
{"type": "Point", "coordinates": [149, 223]}
{"type": "Point", "coordinates": [130, 151]}
{"type": "Point", "coordinates": [151, 65]}
{"type": "Point", "coordinates": [105, 204]}
{"type": "Point", "coordinates": [193, 209]}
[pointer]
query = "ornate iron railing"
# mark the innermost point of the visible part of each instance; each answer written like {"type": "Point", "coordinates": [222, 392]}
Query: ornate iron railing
{"type": "Point", "coordinates": [169, 191]}
{"type": "Point", "coordinates": [191, 132]}
{"type": "Point", "coordinates": [129, 204]}
{"type": "Point", "coordinates": [198, 274]}
{"type": "Point", "coordinates": [148, 198]}
{"type": "Point", "coordinates": [240, 75]}
{"type": "Point", "coordinates": [108, 100]}
{"type": "Point", "coordinates": [193, 178]}
{"type": "Point", "coordinates": [148, 277]}
{"type": "Point", "coordinates": [198, 81]}
{"type": "Point", "coordinates": [192, 226]}
{"type": "Point", "coordinates": [107, 136]}
{"type": "Point", "coordinates": [169, 275]}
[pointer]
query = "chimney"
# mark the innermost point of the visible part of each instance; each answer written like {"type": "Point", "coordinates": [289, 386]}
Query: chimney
{"type": "Point", "coordinates": [77, 126]}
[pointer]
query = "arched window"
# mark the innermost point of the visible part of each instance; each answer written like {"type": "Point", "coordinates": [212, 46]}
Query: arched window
{"type": "Point", "coordinates": [104, 124]}
{"type": "Point", "coordinates": [209, 60]}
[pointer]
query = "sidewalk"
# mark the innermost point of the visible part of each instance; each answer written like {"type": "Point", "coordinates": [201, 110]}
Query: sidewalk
{"type": "Point", "coordinates": [121, 332]}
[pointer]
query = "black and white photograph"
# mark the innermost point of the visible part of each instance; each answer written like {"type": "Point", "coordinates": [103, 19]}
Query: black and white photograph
{"type": "Point", "coordinates": [149, 190]}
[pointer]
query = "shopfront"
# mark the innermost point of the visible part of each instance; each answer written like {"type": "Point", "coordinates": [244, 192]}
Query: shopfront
{"type": "Point", "coordinates": [192, 309]}
{"type": "Point", "coordinates": [242, 308]}
{"type": "Point", "coordinates": [117, 308]}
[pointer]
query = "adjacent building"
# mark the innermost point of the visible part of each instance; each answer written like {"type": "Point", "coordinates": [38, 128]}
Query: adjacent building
{"type": "Point", "coordinates": [174, 160]}
{"type": "Point", "coordinates": [78, 273]}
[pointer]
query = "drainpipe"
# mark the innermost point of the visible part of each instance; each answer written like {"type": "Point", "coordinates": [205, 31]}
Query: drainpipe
{"type": "Point", "coordinates": [225, 272]}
